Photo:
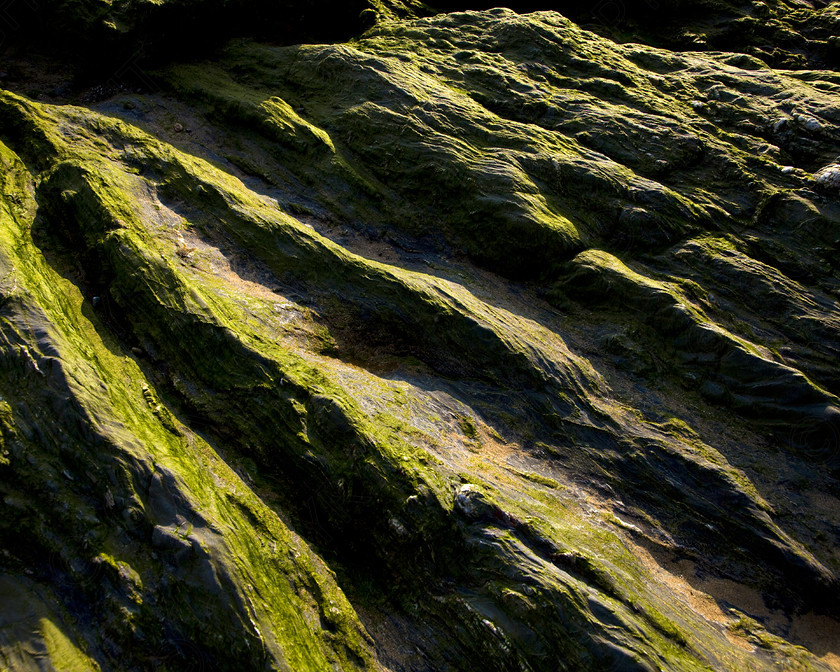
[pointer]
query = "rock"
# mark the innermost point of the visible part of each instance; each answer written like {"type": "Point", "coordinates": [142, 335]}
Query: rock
{"type": "Point", "coordinates": [469, 502]}
{"type": "Point", "coordinates": [483, 215]}
{"type": "Point", "coordinates": [809, 123]}
{"type": "Point", "coordinates": [475, 506]}
{"type": "Point", "coordinates": [829, 177]}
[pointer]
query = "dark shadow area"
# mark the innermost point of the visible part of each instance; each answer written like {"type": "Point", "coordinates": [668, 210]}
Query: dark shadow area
{"type": "Point", "coordinates": [116, 44]}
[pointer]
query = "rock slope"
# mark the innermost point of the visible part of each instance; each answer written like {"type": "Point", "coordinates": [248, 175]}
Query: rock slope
{"type": "Point", "coordinates": [477, 340]}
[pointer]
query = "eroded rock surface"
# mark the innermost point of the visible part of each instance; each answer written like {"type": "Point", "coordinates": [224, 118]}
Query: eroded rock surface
{"type": "Point", "coordinates": [477, 338]}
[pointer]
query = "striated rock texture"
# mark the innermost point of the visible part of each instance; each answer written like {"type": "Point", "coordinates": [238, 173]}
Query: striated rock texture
{"type": "Point", "coordinates": [477, 342]}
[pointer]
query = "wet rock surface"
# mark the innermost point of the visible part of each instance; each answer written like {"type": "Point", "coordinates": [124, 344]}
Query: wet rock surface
{"type": "Point", "coordinates": [479, 337]}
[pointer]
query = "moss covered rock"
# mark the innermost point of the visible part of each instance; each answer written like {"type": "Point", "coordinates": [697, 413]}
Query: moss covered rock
{"type": "Point", "coordinates": [478, 338]}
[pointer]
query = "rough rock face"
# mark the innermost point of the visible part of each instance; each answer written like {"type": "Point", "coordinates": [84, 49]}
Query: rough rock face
{"type": "Point", "coordinates": [480, 341]}
{"type": "Point", "coordinates": [783, 33]}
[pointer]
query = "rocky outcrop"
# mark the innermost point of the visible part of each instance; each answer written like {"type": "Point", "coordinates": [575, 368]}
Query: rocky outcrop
{"type": "Point", "coordinates": [477, 338]}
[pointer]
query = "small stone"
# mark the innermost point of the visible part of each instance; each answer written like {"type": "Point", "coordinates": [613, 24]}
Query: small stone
{"type": "Point", "coordinates": [137, 352]}
{"type": "Point", "coordinates": [779, 125]}
{"type": "Point", "coordinates": [95, 301]}
{"type": "Point", "coordinates": [178, 128]}
{"type": "Point", "coordinates": [787, 170]}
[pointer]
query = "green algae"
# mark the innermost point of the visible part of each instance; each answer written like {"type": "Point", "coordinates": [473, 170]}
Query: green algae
{"type": "Point", "coordinates": [156, 429]}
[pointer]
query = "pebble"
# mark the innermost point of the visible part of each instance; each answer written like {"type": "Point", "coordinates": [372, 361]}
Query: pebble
{"type": "Point", "coordinates": [779, 125]}
{"type": "Point", "coordinates": [787, 170]}
{"type": "Point", "coordinates": [178, 128]}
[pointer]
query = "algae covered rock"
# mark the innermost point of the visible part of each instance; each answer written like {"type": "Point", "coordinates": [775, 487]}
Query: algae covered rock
{"type": "Point", "coordinates": [780, 33]}
{"type": "Point", "coordinates": [479, 337]}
